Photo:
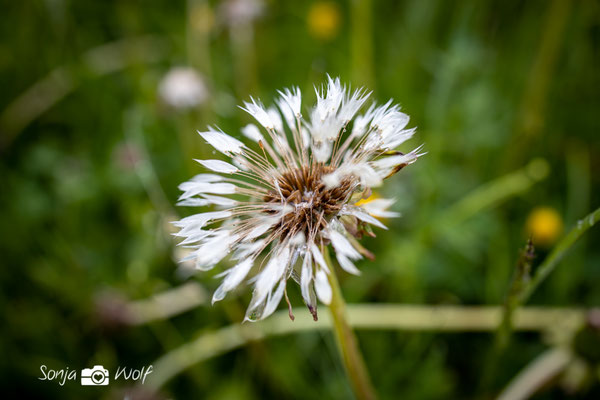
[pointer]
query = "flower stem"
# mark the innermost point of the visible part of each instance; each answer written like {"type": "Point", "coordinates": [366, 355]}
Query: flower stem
{"type": "Point", "coordinates": [346, 340]}
{"type": "Point", "coordinates": [401, 317]}
{"type": "Point", "coordinates": [523, 286]}
{"type": "Point", "coordinates": [558, 253]}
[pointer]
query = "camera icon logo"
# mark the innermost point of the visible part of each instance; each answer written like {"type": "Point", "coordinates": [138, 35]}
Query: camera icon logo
{"type": "Point", "coordinates": [97, 376]}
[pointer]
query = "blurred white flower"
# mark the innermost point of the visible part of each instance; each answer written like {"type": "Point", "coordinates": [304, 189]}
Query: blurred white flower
{"type": "Point", "coordinates": [240, 12]}
{"type": "Point", "coordinates": [294, 193]}
{"type": "Point", "coordinates": [183, 88]}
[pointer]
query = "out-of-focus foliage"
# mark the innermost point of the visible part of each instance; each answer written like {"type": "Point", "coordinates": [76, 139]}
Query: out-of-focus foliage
{"type": "Point", "coordinates": [91, 158]}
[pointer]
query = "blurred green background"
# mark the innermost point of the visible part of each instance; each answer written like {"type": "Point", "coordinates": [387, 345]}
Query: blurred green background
{"type": "Point", "coordinates": [93, 142]}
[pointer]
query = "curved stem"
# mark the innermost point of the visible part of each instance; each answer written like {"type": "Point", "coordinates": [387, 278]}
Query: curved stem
{"type": "Point", "coordinates": [346, 340]}
{"type": "Point", "coordinates": [522, 287]}
{"type": "Point", "coordinates": [537, 374]}
{"type": "Point", "coordinates": [96, 62]}
{"type": "Point", "coordinates": [402, 317]}
{"type": "Point", "coordinates": [558, 253]}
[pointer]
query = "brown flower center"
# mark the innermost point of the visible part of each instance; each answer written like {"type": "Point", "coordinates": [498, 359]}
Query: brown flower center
{"type": "Point", "coordinates": [314, 204]}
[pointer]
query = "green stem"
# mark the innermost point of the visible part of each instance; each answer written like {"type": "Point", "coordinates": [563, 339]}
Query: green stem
{"type": "Point", "coordinates": [558, 253]}
{"type": "Point", "coordinates": [346, 340]}
{"type": "Point", "coordinates": [493, 193]}
{"type": "Point", "coordinates": [522, 288]}
{"type": "Point", "coordinates": [65, 79]}
{"type": "Point", "coordinates": [520, 280]}
{"type": "Point", "coordinates": [361, 12]}
{"type": "Point", "coordinates": [537, 374]}
{"type": "Point", "coordinates": [401, 317]}
{"type": "Point", "coordinates": [532, 113]}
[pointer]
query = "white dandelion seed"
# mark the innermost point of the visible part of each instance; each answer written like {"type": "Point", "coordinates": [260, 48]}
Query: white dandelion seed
{"type": "Point", "coordinates": [295, 191]}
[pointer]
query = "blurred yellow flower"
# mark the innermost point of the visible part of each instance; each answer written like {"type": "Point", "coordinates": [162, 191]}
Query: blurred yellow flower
{"type": "Point", "coordinates": [324, 19]}
{"type": "Point", "coordinates": [544, 224]}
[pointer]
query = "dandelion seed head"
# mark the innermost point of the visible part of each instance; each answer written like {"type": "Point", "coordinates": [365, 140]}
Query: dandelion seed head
{"type": "Point", "coordinates": [293, 191]}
